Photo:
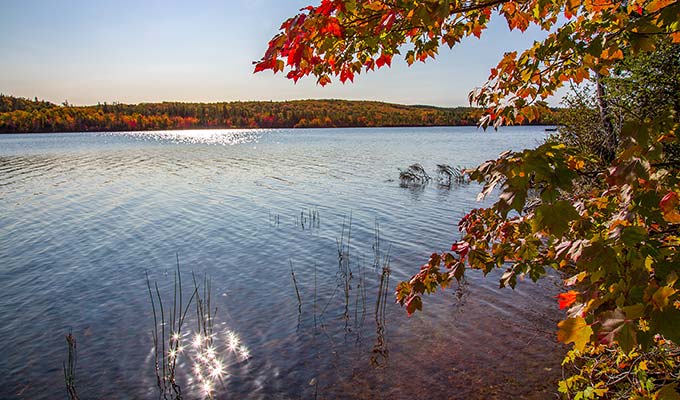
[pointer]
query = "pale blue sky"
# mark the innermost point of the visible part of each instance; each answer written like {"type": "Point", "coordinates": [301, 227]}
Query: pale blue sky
{"type": "Point", "coordinates": [155, 50]}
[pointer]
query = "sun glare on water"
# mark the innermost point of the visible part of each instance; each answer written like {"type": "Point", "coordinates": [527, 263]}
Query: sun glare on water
{"type": "Point", "coordinates": [224, 137]}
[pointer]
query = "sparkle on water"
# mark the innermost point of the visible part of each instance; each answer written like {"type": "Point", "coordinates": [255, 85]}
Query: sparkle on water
{"type": "Point", "coordinates": [201, 136]}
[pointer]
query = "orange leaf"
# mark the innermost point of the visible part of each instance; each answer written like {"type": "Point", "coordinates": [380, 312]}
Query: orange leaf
{"type": "Point", "coordinates": [612, 54]}
{"type": "Point", "coordinates": [567, 299]}
{"type": "Point", "coordinates": [669, 208]}
{"type": "Point", "coordinates": [675, 36]}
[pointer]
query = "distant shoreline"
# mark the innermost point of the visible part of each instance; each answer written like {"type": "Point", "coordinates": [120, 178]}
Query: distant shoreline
{"type": "Point", "coordinates": [19, 115]}
{"type": "Point", "coordinates": [237, 129]}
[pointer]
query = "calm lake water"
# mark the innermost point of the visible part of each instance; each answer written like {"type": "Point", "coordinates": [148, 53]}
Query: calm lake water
{"type": "Point", "coordinates": [86, 215]}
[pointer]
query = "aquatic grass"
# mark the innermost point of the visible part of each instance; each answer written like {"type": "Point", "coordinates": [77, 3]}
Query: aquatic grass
{"type": "Point", "coordinates": [167, 346]}
{"type": "Point", "coordinates": [448, 175]}
{"type": "Point", "coordinates": [315, 291]}
{"type": "Point", "coordinates": [209, 367]}
{"type": "Point", "coordinates": [360, 296]}
{"type": "Point", "coordinates": [415, 174]}
{"type": "Point", "coordinates": [70, 368]}
{"type": "Point", "coordinates": [297, 293]}
{"type": "Point", "coordinates": [309, 220]}
{"type": "Point", "coordinates": [351, 280]}
{"type": "Point", "coordinates": [380, 350]}
{"type": "Point", "coordinates": [203, 351]}
{"type": "Point", "coordinates": [344, 273]}
{"type": "Point", "coordinates": [274, 219]}
{"type": "Point", "coordinates": [314, 217]}
{"type": "Point", "coordinates": [173, 340]}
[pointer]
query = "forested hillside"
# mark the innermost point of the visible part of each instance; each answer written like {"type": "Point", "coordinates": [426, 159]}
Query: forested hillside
{"type": "Point", "coordinates": [19, 115]}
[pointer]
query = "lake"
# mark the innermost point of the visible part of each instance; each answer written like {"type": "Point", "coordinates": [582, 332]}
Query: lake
{"type": "Point", "coordinates": [86, 216]}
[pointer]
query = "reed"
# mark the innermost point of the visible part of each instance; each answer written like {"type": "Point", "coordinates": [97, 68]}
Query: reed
{"type": "Point", "coordinates": [167, 335]}
{"type": "Point", "coordinates": [315, 290]}
{"type": "Point", "coordinates": [70, 368]}
{"type": "Point", "coordinates": [360, 296]}
{"type": "Point", "coordinates": [414, 175]}
{"type": "Point", "coordinates": [274, 219]}
{"type": "Point", "coordinates": [344, 273]}
{"type": "Point", "coordinates": [309, 220]}
{"type": "Point", "coordinates": [166, 343]}
{"type": "Point", "coordinates": [448, 176]}
{"type": "Point", "coordinates": [380, 350]}
{"type": "Point", "coordinates": [297, 291]}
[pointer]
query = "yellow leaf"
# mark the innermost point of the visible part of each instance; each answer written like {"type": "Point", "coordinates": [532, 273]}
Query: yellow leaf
{"type": "Point", "coordinates": [574, 330]}
{"type": "Point", "coordinates": [660, 297]}
{"type": "Point", "coordinates": [656, 5]}
{"type": "Point", "coordinates": [642, 366]}
{"type": "Point", "coordinates": [648, 263]}
{"type": "Point", "coordinates": [672, 216]}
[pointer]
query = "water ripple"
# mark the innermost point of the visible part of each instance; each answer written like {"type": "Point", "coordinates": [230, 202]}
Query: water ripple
{"type": "Point", "coordinates": [86, 215]}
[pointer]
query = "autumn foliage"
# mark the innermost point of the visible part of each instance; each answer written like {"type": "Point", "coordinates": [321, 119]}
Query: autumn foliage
{"type": "Point", "coordinates": [19, 115]}
{"type": "Point", "coordinates": [608, 221]}
{"type": "Point", "coordinates": [342, 38]}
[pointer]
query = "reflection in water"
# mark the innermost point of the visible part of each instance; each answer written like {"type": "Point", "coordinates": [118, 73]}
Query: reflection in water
{"type": "Point", "coordinates": [380, 351]}
{"type": "Point", "coordinates": [224, 137]}
{"type": "Point", "coordinates": [380, 262]}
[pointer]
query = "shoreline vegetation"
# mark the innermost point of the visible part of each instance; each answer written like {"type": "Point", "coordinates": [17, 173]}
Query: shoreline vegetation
{"type": "Point", "coordinates": [21, 115]}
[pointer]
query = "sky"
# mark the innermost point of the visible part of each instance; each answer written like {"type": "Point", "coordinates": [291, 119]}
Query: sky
{"type": "Point", "coordinates": [85, 51]}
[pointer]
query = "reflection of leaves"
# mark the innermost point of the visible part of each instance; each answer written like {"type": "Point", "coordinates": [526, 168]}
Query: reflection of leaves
{"type": "Point", "coordinates": [574, 330]}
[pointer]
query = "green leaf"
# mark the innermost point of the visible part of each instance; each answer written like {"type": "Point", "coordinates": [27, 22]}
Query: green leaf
{"type": "Point", "coordinates": [554, 218]}
{"type": "Point", "coordinates": [627, 337]}
{"type": "Point", "coordinates": [574, 330]}
{"type": "Point", "coordinates": [633, 235]}
{"type": "Point", "coordinates": [634, 312]}
{"type": "Point", "coordinates": [667, 323]}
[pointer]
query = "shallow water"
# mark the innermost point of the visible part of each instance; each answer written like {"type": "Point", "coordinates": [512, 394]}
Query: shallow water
{"type": "Point", "coordinates": [85, 216]}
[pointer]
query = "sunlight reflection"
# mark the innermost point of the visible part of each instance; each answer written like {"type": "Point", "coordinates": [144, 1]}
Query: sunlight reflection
{"type": "Point", "coordinates": [209, 356]}
{"type": "Point", "coordinates": [233, 339]}
{"type": "Point", "coordinates": [224, 137]}
{"type": "Point", "coordinates": [198, 341]}
{"type": "Point", "coordinates": [244, 352]}
{"type": "Point", "coordinates": [207, 388]}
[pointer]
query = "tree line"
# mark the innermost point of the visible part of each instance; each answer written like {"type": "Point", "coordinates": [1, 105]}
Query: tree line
{"type": "Point", "coordinates": [20, 115]}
